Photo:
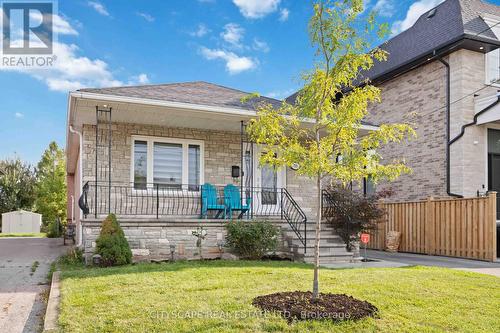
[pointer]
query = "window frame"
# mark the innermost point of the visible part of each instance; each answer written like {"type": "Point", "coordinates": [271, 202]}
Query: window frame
{"type": "Point", "coordinates": [150, 141]}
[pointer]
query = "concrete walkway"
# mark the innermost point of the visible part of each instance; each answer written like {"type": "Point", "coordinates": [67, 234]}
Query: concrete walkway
{"type": "Point", "coordinates": [22, 306]}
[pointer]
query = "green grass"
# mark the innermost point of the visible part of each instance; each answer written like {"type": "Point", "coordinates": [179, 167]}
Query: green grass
{"type": "Point", "coordinates": [39, 235]}
{"type": "Point", "coordinates": [151, 297]}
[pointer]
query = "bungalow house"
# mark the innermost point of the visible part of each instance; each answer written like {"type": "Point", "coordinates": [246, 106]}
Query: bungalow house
{"type": "Point", "coordinates": [161, 156]}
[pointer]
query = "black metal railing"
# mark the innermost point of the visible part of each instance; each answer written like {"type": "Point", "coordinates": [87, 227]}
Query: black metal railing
{"type": "Point", "coordinates": [163, 200]}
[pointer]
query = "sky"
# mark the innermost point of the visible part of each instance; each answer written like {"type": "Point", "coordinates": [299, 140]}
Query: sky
{"type": "Point", "coordinates": [253, 45]}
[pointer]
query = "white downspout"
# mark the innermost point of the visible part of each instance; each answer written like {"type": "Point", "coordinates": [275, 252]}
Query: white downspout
{"type": "Point", "coordinates": [80, 152]}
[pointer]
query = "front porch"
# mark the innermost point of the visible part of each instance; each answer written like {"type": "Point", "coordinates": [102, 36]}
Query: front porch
{"type": "Point", "coordinates": [148, 162]}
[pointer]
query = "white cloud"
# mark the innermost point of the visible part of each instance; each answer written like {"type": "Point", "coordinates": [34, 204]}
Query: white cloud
{"type": "Point", "coordinates": [366, 3]}
{"type": "Point", "coordinates": [141, 79]}
{"type": "Point", "coordinates": [280, 94]}
{"type": "Point", "coordinates": [59, 24]}
{"type": "Point", "coordinates": [233, 34]}
{"type": "Point", "coordinates": [260, 45]}
{"type": "Point", "coordinates": [384, 8]}
{"type": "Point", "coordinates": [98, 7]}
{"type": "Point", "coordinates": [414, 12]}
{"type": "Point", "coordinates": [19, 115]}
{"type": "Point", "coordinates": [254, 9]}
{"type": "Point", "coordinates": [200, 31]}
{"type": "Point", "coordinates": [284, 13]}
{"type": "Point", "coordinates": [234, 63]}
{"type": "Point", "coordinates": [146, 16]}
{"type": "Point", "coordinates": [70, 71]}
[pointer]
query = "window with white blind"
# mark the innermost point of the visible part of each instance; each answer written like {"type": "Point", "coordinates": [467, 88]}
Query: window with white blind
{"type": "Point", "coordinates": [167, 163]}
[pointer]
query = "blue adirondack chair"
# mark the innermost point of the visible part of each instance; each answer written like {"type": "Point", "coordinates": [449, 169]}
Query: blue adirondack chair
{"type": "Point", "coordinates": [210, 201]}
{"type": "Point", "coordinates": [233, 201]}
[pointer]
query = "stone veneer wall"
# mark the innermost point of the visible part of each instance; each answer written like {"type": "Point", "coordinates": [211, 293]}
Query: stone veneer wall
{"type": "Point", "coordinates": [416, 97]}
{"type": "Point", "coordinates": [222, 150]}
{"type": "Point", "coordinates": [151, 240]}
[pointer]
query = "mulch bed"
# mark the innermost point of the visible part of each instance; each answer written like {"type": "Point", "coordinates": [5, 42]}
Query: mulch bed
{"type": "Point", "coordinates": [299, 305]}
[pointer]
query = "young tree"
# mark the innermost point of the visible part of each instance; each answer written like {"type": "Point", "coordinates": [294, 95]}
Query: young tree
{"type": "Point", "coordinates": [325, 121]}
{"type": "Point", "coordinates": [17, 185]}
{"type": "Point", "coordinates": [51, 185]}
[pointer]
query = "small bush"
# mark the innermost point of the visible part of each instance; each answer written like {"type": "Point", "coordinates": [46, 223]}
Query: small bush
{"type": "Point", "coordinates": [73, 257]}
{"type": "Point", "coordinates": [112, 245]}
{"type": "Point", "coordinates": [251, 240]}
{"type": "Point", "coordinates": [351, 213]}
{"type": "Point", "coordinates": [54, 229]}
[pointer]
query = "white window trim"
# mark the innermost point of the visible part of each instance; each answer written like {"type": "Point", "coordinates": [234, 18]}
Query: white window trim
{"type": "Point", "coordinates": [150, 140]}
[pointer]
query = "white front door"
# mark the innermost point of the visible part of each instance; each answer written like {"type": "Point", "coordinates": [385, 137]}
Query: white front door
{"type": "Point", "coordinates": [268, 182]}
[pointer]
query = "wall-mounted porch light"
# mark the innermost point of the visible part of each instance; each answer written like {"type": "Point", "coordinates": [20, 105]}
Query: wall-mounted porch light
{"type": "Point", "coordinates": [235, 171]}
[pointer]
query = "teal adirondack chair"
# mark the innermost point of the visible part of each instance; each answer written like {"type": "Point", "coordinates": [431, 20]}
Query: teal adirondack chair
{"type": "Point", "coordinates": [210, 201]}
{"type": "Point", "coordinates": [233, 201]}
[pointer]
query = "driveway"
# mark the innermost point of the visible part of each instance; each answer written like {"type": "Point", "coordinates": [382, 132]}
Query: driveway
{"type": "Point", "coordinates": [23, 292]}
{"type": "Point", "coordinates": [492, 268]}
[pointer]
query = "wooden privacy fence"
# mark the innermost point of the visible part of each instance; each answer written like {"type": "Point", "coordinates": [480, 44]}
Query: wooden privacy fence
{"type": "Point", "coordinates": [449, 227]}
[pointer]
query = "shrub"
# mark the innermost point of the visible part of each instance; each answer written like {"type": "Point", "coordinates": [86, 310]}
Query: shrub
{"type": "Point", "coordinates": [251, 240]}
{"type": "Point", "coordinates": [351, 213]}
{"type": "Point", "coordinates": [54, 229]}
{"type": "Point", "coordinates": [73, 257]}
{"type": "Point", "coordinates": [112, 245]}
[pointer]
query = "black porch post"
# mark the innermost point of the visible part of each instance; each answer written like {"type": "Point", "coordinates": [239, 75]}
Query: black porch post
{"type": "Point", "coordinates": [96, 147]}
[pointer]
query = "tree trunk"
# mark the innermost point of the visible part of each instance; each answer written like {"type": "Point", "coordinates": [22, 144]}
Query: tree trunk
{"type": "Point", "coordinates": [316, 243]}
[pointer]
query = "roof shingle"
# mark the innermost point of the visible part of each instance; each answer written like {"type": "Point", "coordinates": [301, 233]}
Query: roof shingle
{"type": "Point", "coordinates": [202, 93]}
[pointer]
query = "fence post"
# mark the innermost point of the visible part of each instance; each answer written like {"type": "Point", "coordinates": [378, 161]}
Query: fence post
{"type": "Point", "coordinates": [430, 227]}
{"type": "Point", "coordinates": [492, 217]}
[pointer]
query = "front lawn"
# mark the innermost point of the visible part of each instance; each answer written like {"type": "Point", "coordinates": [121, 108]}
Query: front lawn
{"type": "Point", "coordinates": [216, 296]}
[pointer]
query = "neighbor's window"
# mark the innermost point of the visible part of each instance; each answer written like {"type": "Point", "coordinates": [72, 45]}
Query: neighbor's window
{"type": "Point", "coordinates": [167, 163]}
{"type": "Point", "coordinates": [493, 67]}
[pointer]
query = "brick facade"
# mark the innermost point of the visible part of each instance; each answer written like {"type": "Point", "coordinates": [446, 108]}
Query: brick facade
{"type": "Point", "coordinates": [419, 97]}
{"type": "Point", "coordinates": [416, 97]}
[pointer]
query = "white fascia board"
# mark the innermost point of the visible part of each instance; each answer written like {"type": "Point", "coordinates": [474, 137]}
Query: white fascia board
{"type": "Point", "coordinates": [154, 102]}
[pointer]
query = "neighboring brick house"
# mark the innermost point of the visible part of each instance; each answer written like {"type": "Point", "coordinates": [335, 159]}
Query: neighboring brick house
{"type": "Point", "coordinates": [416, 87]}
{"type": "Point", "coordinates": [461, 36]}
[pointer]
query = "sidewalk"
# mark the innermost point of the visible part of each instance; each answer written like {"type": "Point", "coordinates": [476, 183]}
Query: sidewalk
{"type": "Point", "coordinates": [391, 260]}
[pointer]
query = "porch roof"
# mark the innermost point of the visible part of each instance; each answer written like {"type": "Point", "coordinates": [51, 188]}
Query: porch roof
{"type": "Point", "coordinates": [197, 93]}
{"type": "Point", "coordinates": [164, 105]}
